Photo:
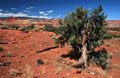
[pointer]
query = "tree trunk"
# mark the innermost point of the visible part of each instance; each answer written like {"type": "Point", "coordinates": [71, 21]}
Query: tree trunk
{"type": "Point", "coordinates": [84, 57]}
{"type": "Point", "coordinates": [83, 60]}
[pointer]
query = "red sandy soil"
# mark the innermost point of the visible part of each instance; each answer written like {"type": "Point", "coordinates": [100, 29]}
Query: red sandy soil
{"type": "Point", "coordinates": [21, 50]}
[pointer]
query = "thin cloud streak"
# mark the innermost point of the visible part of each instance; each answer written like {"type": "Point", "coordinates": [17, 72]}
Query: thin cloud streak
{"type": "Point", "coordinates": [41, 12]}
{"type": "Point", "coordinates": [31, 7]}
{"type": "Point", "coordinates": [26, 11]}
{"type": "Point", "coordinates": [50, 11]}
{"type": "Point", "coordinates": [22, 15]}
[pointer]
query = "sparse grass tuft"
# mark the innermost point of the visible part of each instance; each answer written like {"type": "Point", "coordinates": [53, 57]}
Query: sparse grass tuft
{"type": "Point", "coordinates": [8, 54]}
{"type": "Point", "coordinates": [28, 71]}
{"type": "Point", "coordinates": [116, 66]}
{"type": "Point", "coordinates": [14, 72]}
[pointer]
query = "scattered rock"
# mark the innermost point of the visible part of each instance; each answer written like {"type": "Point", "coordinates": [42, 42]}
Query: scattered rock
{"type": "Point", "coordinates": [1, 63]}
{"type": "Point", "coordinates": [92, 72]}
{"type": "Point", "coordinates": [7, 63]}
{"type": "Point", "coordinates": [39, 62]}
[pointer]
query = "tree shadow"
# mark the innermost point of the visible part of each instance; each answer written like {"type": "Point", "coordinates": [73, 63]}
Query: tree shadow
{"type": "Point", "coordinates": [100, 58]}
{"type": "Point", "coordinates": [72, 55]}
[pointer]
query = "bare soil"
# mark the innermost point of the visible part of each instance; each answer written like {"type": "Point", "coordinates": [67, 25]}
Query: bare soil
{"type": "Point", "coordinates": [22, 58]}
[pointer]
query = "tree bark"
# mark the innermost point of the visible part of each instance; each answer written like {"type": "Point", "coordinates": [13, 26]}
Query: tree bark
{"type": "Point", "coordinates": [83, 60]}
{"type": "Point", "coordinates": [84, 55]}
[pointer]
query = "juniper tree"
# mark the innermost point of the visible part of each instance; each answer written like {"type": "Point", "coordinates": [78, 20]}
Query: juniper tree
{"type": "Point", "coordinates": [83, 31]}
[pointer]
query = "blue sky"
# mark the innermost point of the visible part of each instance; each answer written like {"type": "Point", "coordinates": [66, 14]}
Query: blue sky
{"type": "Point", "coordinates": [55, 8]}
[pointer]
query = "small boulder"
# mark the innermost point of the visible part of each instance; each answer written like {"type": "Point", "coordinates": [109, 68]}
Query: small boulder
{"type": "Point", "coordinates": [39, 62]}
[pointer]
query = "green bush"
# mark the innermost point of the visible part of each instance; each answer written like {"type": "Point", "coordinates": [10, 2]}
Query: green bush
{"type": "Point", "coordinates": [4, 27]}
{"type": "Point", "coordinates": [1, 49]}
{"type": "Point", "coordinates": [7, 27]}
{"type": "Point", "coordinates": [27, 28]}
{"type": "Point", "coordinates": [21, 28]}
{"type": "Point", "coordinates": [83, 30]}
{"type": "Point", "coordinates": [107, 36]}
{"type": "Point", "coordinates": [49, 27]}
{"type": "Point", "coordinates": [30, 27]}
{"type": "Point", "coordinates": [100, 58]}
{"type": "Point", "coordinates": [116, 36]}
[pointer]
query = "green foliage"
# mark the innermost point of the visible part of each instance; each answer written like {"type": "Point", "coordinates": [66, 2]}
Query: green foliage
{"type": "Point", "coordinates": [49, 27]}
{"type": "Point", "coordinates": [27, 28]}
{"type": "Point", "coordinates": [13, 27]}
{"type": "Point", "coordinates": [21, 28]}
{"type": "Point", "coordinates": [100, 58]}
{"type": "Point", "coordinates": [30, 27]}
{"type": "Point", "coordinates": [107, 36]}
{"type": "Point", "coordinates": [116, 36]}
{"type": "Point", "coordinates": [1, 49]}
{"type": "Point", "coordinates": [82, 24]}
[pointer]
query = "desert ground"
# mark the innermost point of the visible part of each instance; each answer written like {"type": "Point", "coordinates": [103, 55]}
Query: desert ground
{"type": "Point", "coordinates": [35, 55]}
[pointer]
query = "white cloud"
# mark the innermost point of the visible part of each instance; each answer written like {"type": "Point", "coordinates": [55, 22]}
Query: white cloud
{"type": "Point", "coordinates": [41, 12]}
{"type": "Point", "coordinates": [22, 15]}
{"type": "Point", "coordinates": [13, 14]}
{"type": "Point", "coordinates": [45, 14]}
{"type": "Point", "coordinates": [34, 16]}
{"type": "Point", "coordinates": [47, 17]}
{"type": "Point", "coordinates": [50, 11]}
{"type": "Point", "coordinates": [58, 16]}
{"type": "Point", "coordinates": [31, 7]}
{"type": "Point", "coordinates": [12, 8]}
{"type": "Point", "coordinates": [44, 17]}
{"type": "Point", "coordinates": [26, 11]}
{"type": "Point", "coordinates": [1, 10]}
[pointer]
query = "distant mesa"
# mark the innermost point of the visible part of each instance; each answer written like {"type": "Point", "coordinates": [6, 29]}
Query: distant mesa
{"type": "Point", "coordinates": [113, 23]}
{"type": "Point", "coordinates": [27, 21]}
{"type": "Point", "coordinates": [40, 22]}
